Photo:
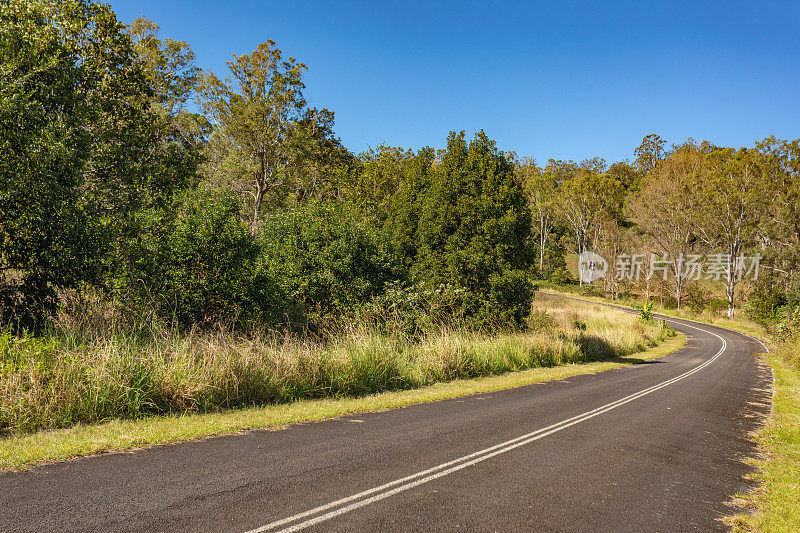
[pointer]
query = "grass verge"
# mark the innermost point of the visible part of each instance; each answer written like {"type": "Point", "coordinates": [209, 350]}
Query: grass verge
{"type": "Point", "coordinates": [20, 451]}
{"type": "Point", "coordinates": [776, 503]}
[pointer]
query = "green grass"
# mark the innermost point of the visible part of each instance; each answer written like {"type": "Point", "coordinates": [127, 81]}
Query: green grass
{"type": "Point", "coordinates": [20, 451]}
{"type": "Point", "coordinates": [776, 503]}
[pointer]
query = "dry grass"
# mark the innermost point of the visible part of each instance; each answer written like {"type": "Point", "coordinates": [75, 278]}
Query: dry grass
{"type": "Point", "coordinates": [95, 376]}
{"type": "Point", "coordinates": [20, 451]}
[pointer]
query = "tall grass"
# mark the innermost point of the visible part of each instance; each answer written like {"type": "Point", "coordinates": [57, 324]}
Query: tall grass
{"type": "Point", "coordinates": [84, 373]}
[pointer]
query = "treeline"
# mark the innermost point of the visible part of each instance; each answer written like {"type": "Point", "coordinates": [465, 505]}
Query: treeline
{"type": "Point", "coordinates": [249, 213]}
{"type": "Point", "coordinates": [133, 180]}
{"type": "Point", "coordinates": [713, 221]}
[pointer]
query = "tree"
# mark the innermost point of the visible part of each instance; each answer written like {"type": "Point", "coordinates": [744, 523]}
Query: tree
{"type": "Point", "coordinates": [474, 228]}
{"type": "Point", "coordinates": [663, 209]}
{"type": "Point", "coordinates": [730, 202]}
{"type": "Point", "coordinates": [649, 153]}
{"type": "Point", "coordinates": [626, 174]}
{"type": "Point", "coordinates": [541, 186]}
{"type": "Point", "coordinates": [77, 148]}
{"type": "Point", "coordinates": [585, 194]}
{"type": "Point", "coordinates": [174, 78]}
{"type": "Point", "coordinates": [265, 134]}
{"type": "Point", "coordinates": [43, 151]}
{"type": "Point", "coordinates": [169, 65]}
{"type": "Point", "coordinates": [780, 234]}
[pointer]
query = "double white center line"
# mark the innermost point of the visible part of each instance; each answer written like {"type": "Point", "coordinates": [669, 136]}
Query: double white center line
{"type": "Point", "coordinates": [344, 505]}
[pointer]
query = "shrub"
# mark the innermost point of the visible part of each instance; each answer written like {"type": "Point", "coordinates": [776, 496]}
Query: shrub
{"type": "Point", "coordinates": [415, 310]}
{"type": "Point", "coordinates": [766, 303]}
{"type": "Point", "coordinates": [196, 264]}
{"type": "Point", "coordinates": [669, 302]}
{"type": "Point", "coordinates": [327, 260]}
{"type": "Point", "coordinates": [696, 298]}
{"type": "Point", "coordinates": [561, 276]}
{"type": "Point", "coordinates": [717, 306]}
{"type": "Point", "coordinates": [592, 290]}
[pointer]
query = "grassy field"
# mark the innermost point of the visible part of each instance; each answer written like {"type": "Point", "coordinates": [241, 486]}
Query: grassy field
{"type": "Point", "coordinates": [63, 398]}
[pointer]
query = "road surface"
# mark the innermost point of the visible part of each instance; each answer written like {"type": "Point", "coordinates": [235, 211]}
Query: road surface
{"type": "Point", "coordinates": [650, 447]}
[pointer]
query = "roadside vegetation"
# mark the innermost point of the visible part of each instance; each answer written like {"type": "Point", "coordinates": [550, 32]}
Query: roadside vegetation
{"type": "Point", "coordinates": [72, 377]}
{"type": "Point", "coordinates": [775, 505]}
{"type": "Point", "coordinates": [104, 393]}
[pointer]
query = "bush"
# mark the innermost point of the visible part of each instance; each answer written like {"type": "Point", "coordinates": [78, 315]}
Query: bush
{"type": "Point", "coordinates": [561, 276]}
{"type": "Point", "coordinates": [669, 302]}
{"type": "Point", "coordinates": [696, 298]}
{"type": "Point", "coordinates": [509, 301]}
{"type": "Point", "coordinates": [327, 260]}
{"type": "Point", "coordinates": [196, 264]}
{"type": "Point", "coordinates": [593, 290]}
{"type": "Point", "coordinates": [415, 310]}
{"type": "Point", "coordinates": [766, 303]}
{"type": "Point", "coordinates": [717, 306]}
{"type": "Point", "coordinates": [625, 295]}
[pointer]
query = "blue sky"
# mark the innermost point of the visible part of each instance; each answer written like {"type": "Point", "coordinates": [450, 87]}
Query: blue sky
{"type": "Point", "coordinates": [564, 80]}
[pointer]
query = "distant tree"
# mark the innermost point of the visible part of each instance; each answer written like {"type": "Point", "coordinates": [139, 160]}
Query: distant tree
{"type": "Point", "coordinates": [265, 134]}
{"type": "Point", "coordinates": [610, 243]}
{"type": "Point", "coordinates": [626, 174]}
{"type": "Point", "coordinates": [169, 64]}
{"type": "Point", "coordinates": [174, 77]}
{"type": "Point", "coordinates": [649, 153]}
{"type": "Point", "coordinates": [541, 187]}
{"type": "Point", "coordinates": [730, 208]}
{"type": "Point", "coordinates": [663, 209]}
{"type": "Point", "coordinates": [583, 196]}
{"type": "Point", "coordinates": [780, 235]}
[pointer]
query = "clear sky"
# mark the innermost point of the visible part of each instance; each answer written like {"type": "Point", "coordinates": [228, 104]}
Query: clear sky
{"type": "Point", "coordinates": [567, 80]}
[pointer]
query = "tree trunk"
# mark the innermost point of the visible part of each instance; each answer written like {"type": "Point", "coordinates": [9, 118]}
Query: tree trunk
{"type": "Point", "coordinates": [730, 293]}
{"type": "Point", "coordinates": [542, 243]}
{"type": "Point", "coordinates": [256, 210]}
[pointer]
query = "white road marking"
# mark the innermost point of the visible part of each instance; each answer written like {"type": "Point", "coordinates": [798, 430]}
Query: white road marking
{"type": "Point", "coordinates": [381, 492]}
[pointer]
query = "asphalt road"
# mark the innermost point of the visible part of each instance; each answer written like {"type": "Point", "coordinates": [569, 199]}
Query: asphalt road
{"type": "Point", "coordinates": [650, 447]}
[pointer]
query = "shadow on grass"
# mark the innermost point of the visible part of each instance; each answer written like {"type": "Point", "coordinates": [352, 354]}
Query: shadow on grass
{"type": "Point", "coordinates": [595, 348]}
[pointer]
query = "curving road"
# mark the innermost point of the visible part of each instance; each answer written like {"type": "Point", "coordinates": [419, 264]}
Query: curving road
{"type": "Point", "coordinates": [650, 447]}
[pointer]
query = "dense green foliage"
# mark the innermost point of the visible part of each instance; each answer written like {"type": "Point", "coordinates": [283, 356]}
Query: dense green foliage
{"type": "Point", "coordinates": [256, 215]}
{"type": "Point", "coordinates": [474, 231]}
{"type": "Point", "coordinates": [326, 261]}
{"type": "Point", "coordinates": [195, 262]}
{"type": "Point", "coordinates": [101, 165]}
